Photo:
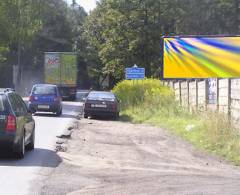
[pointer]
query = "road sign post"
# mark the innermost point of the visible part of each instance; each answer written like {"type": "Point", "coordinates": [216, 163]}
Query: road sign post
{"type": "Point", "coordinates": [134, 73]}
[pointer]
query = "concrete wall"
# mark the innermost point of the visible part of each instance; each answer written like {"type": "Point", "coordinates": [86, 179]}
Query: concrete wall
{"type": "Point", "coordinates": [202, 96]}
{"type": "Point", "coordinates": [184, 93]}
{"type": "Point", "coordinates": [193, 101]}
{"type": "Point", "coordinates": [194, 94]}
{"type": "Point", "coordinates": [235, 100]}
{"type": "Point", "coordinates": [177, 92]}
{"type": "Point", "coordinates": [223, 95]}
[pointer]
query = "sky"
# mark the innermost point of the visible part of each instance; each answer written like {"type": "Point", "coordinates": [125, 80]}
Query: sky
{"type": "Point", "coordinates": [86, 4]}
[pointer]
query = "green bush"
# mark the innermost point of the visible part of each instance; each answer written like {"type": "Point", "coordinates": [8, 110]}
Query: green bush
{"type": "Point", "coordinates": [148, 92]}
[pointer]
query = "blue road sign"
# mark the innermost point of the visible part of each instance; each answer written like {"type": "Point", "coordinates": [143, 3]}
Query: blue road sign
{"type": "Point", "coordinates": [134, 73]}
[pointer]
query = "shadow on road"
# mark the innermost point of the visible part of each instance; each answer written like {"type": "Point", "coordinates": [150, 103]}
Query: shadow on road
{"type": "Point", "coordinates": [36, 158]}
{"type": "Point", "coordinates": [125, 118]}
{"type": "Point", "coordinates": [54, 116]}
{"type": "Point", "coordinates": [103, 118]}
{"type": "Point", "coordinates": [69, 111]}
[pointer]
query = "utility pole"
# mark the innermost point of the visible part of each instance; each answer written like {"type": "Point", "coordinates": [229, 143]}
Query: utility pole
{"type": "Point", "coordinates": [19, 75]}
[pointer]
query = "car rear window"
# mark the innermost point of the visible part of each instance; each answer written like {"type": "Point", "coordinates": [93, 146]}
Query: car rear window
{"type": "Point", "coordinates": [101, 95]}
{"type": "Point", "coordinates": [82, 94]}
{"type": "Point", "coordinates": [1, 104]}
{"type": "Point", "coordinates": [44, 90]}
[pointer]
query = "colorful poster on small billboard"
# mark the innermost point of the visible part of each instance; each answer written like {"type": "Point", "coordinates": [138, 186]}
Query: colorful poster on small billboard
{"type": "Point", "coordinates": [201, 57]}
{"type": "Point", "coordinates": [52, 68]}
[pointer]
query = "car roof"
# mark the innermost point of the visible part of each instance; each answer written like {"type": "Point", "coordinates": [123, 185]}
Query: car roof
{"type": "Point", "coordinates": [102, 92]}
{"type": "Point", "coordinates": [44, 85]}
{"type": "Point", "coordinates": [83, 90]}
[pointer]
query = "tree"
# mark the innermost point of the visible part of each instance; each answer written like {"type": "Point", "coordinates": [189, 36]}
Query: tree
{"type": "Point", "coordinates": [19, 23]}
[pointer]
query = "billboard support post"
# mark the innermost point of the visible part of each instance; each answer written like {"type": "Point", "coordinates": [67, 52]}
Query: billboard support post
{"type": "Point", "coordinates": [206, 94]}
{"type": "Point", "coordinates": [217, 94]}
{"type": "Point", "coordinates": [134, 73]}
{"type": "Point", "coordinates": [188, 92]}
{"type": "Point", "coordinates": [196, 82]}
{"type": "Point", "coordinates": [180, 93]}
{"type": "Point", "coordinates": [229, 99]}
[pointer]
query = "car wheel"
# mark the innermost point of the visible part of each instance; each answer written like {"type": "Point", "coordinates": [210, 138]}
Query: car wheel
{"type": "Point", "coordinates": [20, 153]}
{"type": "Point", "coordinates": [32, 111]}
{"type": "Point", "coordinates": [59, 112]}
{"type": "Point", "coordinates": [72, 99]}
{"type": "Point", "coordinates": [30, 146]}
{"type": "Point", "coordinates": [116, 116]}
{"type": "Point", "coordinates": [85, 115]}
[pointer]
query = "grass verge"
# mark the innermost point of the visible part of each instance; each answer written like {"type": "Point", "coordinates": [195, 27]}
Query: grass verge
{"type": "Point", "coordinates": [151, 102]}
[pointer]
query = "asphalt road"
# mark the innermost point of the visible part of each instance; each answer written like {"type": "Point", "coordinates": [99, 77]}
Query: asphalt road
{"type": "Point", "coordinates": [17, 176]}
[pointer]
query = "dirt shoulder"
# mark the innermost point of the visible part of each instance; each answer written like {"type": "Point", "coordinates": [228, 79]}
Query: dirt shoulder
{"type": "Point", "coordinates": [111, 157]}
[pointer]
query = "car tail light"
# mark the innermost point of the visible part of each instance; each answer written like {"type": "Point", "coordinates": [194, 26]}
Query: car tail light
{"type": "Point", "coordinates": [31, 98]}
{"type": "Point", "coordinates": [11, 123]}
{"type": "Point", "coordinates": [57, 99]}
{"type": "Point", "coordinates": [114, 107]}
{"type": "Point", "coordinates": [87, 105]}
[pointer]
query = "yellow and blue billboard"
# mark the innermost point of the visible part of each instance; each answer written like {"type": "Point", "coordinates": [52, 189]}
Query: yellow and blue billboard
{"type": "Point", "coordinates": [201, 57]}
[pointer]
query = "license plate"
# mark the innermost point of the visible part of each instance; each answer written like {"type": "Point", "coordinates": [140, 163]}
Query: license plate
{"type": "Point", "coordinates": [43, 106]}
{"type": "Point", "coordinates": [98, 105]}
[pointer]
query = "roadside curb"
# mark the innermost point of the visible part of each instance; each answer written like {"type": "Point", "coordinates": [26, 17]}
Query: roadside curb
{"type": "Point", "coordinates": [61, 143]}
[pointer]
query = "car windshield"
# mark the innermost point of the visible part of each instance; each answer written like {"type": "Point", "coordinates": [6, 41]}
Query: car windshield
{"type": "Point", "coordinates": [1, 104]}
{"type": "Point", "coordinates": [101, 95]}
{"type": "Point", "coordinates": [82, 94]}
{"type": "Point", "coordinates": [44, 90]}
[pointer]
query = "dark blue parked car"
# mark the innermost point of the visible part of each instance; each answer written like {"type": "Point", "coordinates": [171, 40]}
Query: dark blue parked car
{"type": "Point", "coordinates": [17, 126]}
{"type": "Point", "coordinates": [45, 98]}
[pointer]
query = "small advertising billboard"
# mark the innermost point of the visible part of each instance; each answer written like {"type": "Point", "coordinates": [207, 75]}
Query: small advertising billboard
{"type": "Point", "coordinates": [201, 57]}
